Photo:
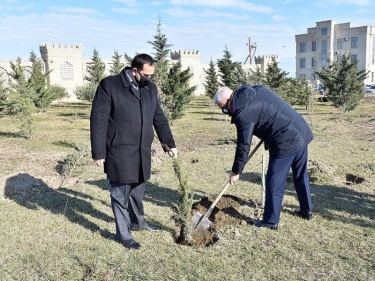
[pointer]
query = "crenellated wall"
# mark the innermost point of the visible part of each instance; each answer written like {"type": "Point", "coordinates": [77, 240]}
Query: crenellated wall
{"type": "Point", "coordinates": [67, 67]}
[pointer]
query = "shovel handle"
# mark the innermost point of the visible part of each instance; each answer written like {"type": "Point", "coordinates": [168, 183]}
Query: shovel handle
{"type": "Point", "coordinates": [209, 211]}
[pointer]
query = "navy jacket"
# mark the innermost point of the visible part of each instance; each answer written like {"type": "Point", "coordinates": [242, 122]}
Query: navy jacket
{"type": "Point", "coordinates": [122, 124]}
{"type": "Point", "coordinates": [259, 111]}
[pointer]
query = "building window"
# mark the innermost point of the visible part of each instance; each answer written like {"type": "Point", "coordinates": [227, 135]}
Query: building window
{"type": "Point", "coordinates": [4, 77]}
{"type": "Point", "coordinates": [340, 43]}
{"type": "Point", "coordinates": [323, 52]}
{"type": "Point", "coordinates": [313, 62]}
{"type": "Point", "coordinates": [302, 63]}
{"type": "Point", "coordinates": [66, 71]}
{"type": "Point", "coordinates": [354, 42]}
{"type": "Point", "coordinates": [324, 31]}
{"type": "Point", "coordinates": [373, 51]}
{"type": "Point", "coordinates": [353, 58]}
{"type": "Point", "coordinates": [313, 46]}
{"type": "Point", "coordinates": [302, 47]}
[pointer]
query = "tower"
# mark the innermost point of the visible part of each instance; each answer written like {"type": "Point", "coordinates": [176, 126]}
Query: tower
{"type": "Point", "coordinates": [64, 62]}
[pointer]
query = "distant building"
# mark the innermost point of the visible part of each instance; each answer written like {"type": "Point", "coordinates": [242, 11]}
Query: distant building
{"type": "Point", "coordinates": [68, 68]}
{"type": "Point", "coordinates": [328, 41]}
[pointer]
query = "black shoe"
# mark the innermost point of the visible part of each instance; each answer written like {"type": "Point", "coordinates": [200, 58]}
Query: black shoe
{"type": "Point", "coordinates": [263, 223]}
{"type": "Point", "coordinates": [303, 214]}
{"type": "Point", "coordinates": [131, 244]}
{"type": "Point", "coordinates": [148, 227]}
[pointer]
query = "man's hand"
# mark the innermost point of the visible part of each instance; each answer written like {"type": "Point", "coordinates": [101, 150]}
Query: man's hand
{"type": "Point", "coordinates": [173, 153]}
{"type": "Point", "coordinates": [99, 162]}
{"type": "Point", "coordinates": [233, 177]}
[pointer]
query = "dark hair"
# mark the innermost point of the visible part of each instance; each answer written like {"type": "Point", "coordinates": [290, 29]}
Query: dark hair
{"type": "Point", "coordinates": [141, 59]}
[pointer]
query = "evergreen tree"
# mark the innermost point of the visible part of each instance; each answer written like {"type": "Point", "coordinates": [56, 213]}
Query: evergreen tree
{"type": "Point", "coordinates": [3, 95]}
{"type": "Point", "coordinates": [95, 69]}
{"type": "Point", "coordinates": [211, 85]}
{"type": "Point", "coordinates": [343, 83]}
{"type": "Point", "coordinates": [274, 77]}
{"type": "Point", "coordinates": [177, 91]}
{"type": "Point", "coordinates": [230, 72]}
{"type": "Point", "coordinates": [117, 65]}
{"type": "Point", "coordinates": [21, 96]}
{"type": "Point", "coordinates": [42, 96]}
{"type": "Point", "coordinates": [256, 77]}
{"type": "Point", "coordinates": [128, 60]}
{"type": "Point", "coordinates": [86, 92]}
{"type": "Point", "coordinates": [162, 50]}
{"type": "Point", "coordinates": [295, 92]}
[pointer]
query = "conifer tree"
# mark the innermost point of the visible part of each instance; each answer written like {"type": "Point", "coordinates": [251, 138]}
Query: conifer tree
{"type": "Point", "coordinates": [117, 65]}
{"type": "Point", "coordinates": [95, 69]}
{"type": "Point", "coordinates": [42, 96]}
{"type": "Point", "coordinates": [274, 77]}
{"type": "Point", "coordinates": [128, 60]}
{"type": "Point", "coordinates": [177, 91]}
{"type": "Point", "coordinates": [295, 92]}
{"type": "Point", "coordinates": [344, 83]}
{"type": "Point", "coordinates": [256, 77]}
{"type": "Point", "coordinates": [3, 95]}
{"type": "Point", "coordinates": [21, 96]}
{"type": "Point", "coordinates": [229, 71]}
{"type": "Point", "coordinates": [211, 85]}
{"type": "Point", "coordinates": [162, 50]}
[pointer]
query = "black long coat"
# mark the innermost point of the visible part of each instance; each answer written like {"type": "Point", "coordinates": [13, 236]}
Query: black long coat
{"type": "Point", "coordinates": [122, 126]}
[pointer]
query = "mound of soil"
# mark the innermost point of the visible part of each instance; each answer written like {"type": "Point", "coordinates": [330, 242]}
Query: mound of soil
{"type": "Point", "coordinates": [230, 210]}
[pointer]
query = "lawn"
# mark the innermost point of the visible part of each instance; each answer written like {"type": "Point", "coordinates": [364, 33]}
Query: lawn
{"type": "Point", "coordinates": [53, 232]}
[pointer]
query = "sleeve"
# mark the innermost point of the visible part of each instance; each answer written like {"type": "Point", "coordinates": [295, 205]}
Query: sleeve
{"type": "Point", "coordinates": [100, 111]}
{"type": "Point", "coordinates": [244, 138]}
{"type": "Point", "coordinates": [162, 128]}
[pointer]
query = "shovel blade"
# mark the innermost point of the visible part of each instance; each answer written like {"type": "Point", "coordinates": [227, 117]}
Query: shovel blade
{"type": "Point", "coordinates": [199, 223]}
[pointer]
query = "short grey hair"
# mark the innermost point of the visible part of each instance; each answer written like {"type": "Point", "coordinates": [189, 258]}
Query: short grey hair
{"type": "Point", "coordinates": [220, 94]}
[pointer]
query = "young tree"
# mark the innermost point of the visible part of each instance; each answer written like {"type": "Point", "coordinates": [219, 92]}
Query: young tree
{"type": "Point", "coordinates": [256, 77]}
{"type": "Point", "coordinates": [21, 96]}
{"type": "Point", "coordinates": [230, 72]}
{"type": "Point", "coordinates": [86, 92]}
{"type": "Point", "coordinates": [295, 92]}
{"type": "Point", "coordinates": [3, 95]}
{"type": "Point", "coordinates": [95, 69]}
{"type": "Point", "coordinates": [177, 91]}
{"type": "Point", "coordinates": [343, 83]}
{"type": "Point", "coordinates": [128, 60]}
{"type": "Point", "coordinates": [274, 77]}
{"type": "Point", "coordinates": [43, 96]}
{"type": "Point", "coordinates": [211, 85]}
{"type": "Point", "coordinates": [117, 65]}
{"type": "Point", "coordinates": [162, 50]}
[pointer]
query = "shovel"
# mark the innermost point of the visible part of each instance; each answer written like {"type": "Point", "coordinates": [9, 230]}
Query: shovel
{"type": "Point", "coordinates": [200, 223]}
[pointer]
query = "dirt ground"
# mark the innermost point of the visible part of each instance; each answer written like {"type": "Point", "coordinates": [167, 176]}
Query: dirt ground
{"type": "Point", "coordinates": [230, 210]}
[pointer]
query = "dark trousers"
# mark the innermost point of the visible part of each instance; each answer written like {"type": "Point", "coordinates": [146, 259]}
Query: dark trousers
{"type": "Point", "coordinates": [127, 207]}
{"type": "Point", "coordinates": [277, 173]}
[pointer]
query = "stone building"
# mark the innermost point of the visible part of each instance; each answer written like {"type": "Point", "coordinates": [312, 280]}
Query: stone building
{"type": "Point", "coordinates": [329, 41]}
{"type": "Point", "coordinates": [67, 66]}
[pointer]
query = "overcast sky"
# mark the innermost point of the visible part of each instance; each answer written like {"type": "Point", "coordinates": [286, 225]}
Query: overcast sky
{"type": "Point", "coordinates": [204, 25]}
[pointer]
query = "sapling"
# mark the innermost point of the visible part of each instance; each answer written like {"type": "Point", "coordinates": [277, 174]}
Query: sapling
{"type": "Point", "coordinates": [183, 207]}
{"type": "Point", "coordinates": [74, 160]}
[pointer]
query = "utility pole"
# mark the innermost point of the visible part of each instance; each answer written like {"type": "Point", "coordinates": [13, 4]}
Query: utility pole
{"type": "Point", "coordinates": [250, 56]}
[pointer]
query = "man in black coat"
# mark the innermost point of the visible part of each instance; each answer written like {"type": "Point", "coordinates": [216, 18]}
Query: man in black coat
{"type": "Point", "coordinates": [256, 110]}
{"type": "Point", "coordinates": [125, 112]}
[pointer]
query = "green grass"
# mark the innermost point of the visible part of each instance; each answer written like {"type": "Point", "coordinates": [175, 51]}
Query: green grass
{"type": "Point", "coordinates": [68, 233]}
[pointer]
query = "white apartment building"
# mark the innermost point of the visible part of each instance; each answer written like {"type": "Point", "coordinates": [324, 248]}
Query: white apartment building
{"type": "Point", "coordinates": [329, 41]}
